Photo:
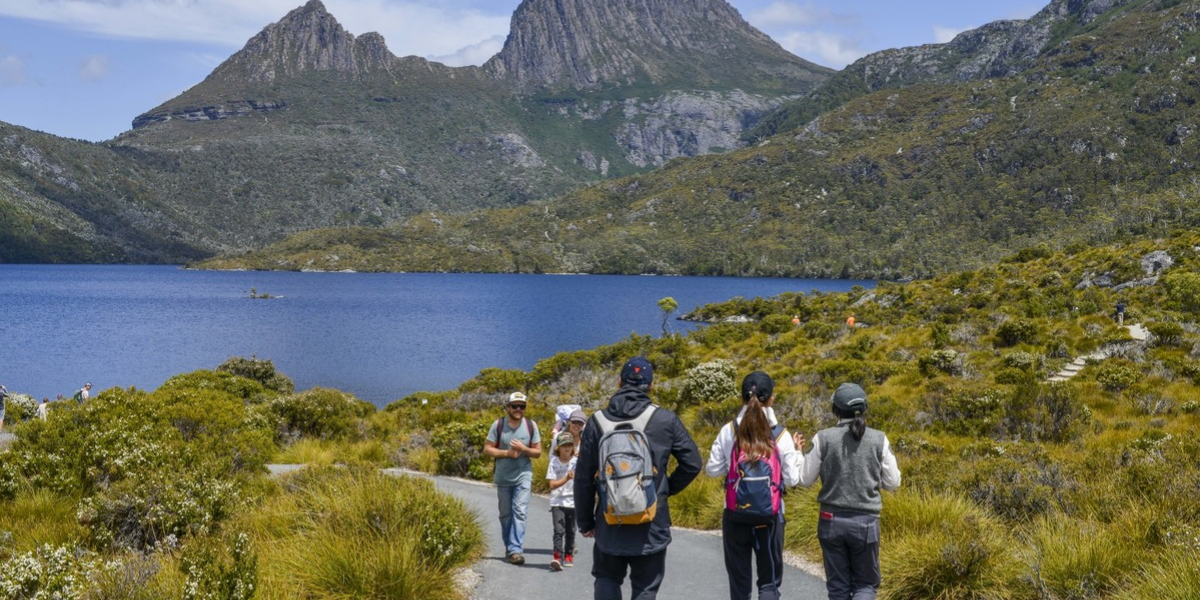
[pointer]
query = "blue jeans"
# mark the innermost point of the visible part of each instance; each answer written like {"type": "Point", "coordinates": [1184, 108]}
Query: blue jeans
{"type": "Point", "coordinates": [514, 505]}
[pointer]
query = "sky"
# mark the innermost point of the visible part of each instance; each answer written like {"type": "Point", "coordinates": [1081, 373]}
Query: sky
{"type": "Point", "coordinates": [84, 69]}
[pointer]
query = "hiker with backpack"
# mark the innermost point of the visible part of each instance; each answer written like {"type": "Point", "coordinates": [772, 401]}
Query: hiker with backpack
{"type": "Point", "coordinates": [853, 462]}
{"type": "Point", "coordinates": [513, 441]}
{"type": "Point", "coordinates": [3, 404]}
{"type": "Point", "coordinates": [622, 486]}
{"type": "Point", "coordinates": [758, 460]}
{"type": "Point", "coordinates": [82, 394]}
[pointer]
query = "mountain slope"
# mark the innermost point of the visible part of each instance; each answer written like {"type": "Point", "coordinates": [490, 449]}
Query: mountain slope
{"type": "Point", "coordinates": [1091, 143]}
{"type": "Point", "coordinates": [1000, 49]}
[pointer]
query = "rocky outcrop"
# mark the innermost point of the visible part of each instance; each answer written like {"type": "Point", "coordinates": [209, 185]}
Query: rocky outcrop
{"type": "Point", "coordinates": [234, 108]}
{"type": "Point", "coordinates": [586, 44]}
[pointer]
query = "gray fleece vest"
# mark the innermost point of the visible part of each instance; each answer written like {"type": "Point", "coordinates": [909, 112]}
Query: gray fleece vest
{"type": "Point", "coordinates": [851, 470]}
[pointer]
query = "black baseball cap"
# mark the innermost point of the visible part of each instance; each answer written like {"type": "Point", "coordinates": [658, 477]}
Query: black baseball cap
{"type": "Point", "coordinates": [761, 383]}
{"type": "Point", "coordinates": [637, 371]}
{"type": "Point", "coordinates": [850, 398]}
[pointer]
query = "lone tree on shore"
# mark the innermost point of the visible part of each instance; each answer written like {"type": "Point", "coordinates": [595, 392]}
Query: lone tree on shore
{"type": "Point", "coordinates": [667, 306]}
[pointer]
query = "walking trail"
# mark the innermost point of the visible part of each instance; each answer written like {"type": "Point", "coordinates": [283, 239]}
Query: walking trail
{"type": "Point", "coordinates": [1136, 331]}
{"type": "Point", "coordinates": [695, 559]}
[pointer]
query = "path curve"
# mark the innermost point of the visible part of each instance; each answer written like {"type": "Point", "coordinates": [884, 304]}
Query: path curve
{"type": "Point", "coordinates": [1136, 331]}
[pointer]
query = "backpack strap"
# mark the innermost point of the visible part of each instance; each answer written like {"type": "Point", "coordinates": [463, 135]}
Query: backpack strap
{"type": "Point", "coordinates": [639, 422]}
{"type": "Point", "coordinates": [498, 432]}
{"type": "Point", "coordinates": [529, 428]}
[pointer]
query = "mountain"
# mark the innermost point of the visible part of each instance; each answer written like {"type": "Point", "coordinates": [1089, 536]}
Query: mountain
{"type": "Point", "coordinates": [588, 45]}
{"type": "Point", "coordinates": [1092, 141]}
{"type": "Point", "coordinates": [310, 126]}
{"type": "Point", "coordinates": [1000, 49]}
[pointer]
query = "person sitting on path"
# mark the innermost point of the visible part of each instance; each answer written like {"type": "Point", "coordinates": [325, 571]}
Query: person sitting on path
{"type": "Point", "coordinates": [631, 529]}
{"type": "Point", "coordinates": [755, 434]}
{"type": "Point", "coordinates": [561, 473]}
{"type": "Point", "coordinates": [513, 441]}
{"type": "Point", "coordinates": [853, 462]}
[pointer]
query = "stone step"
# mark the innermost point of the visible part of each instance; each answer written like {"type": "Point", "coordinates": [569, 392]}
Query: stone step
{"type": "Point", "coordinates": [1057, 378]}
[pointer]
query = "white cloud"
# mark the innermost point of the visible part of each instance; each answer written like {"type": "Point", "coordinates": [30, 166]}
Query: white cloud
{"type": "Point", "coordinates": [410, 27]}
{"type": "Point", "coordinates": [825, 48]}
{"type": "Point", "coordinates": [12, 71]}
{"type": "Point", "coordinates": [475, 54]}
{"type": "Point", "coordinates": [94, 68]}
{"type": "Point", "coordinates": [941, 35]}
{"type": "Point", "coordinates": [782, 14]}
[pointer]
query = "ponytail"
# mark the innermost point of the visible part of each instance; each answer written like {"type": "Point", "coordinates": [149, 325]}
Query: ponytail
{"type": "Point", "coordinates": [858, 427]}
{"type": "Point", "coordinates": [753, 434]}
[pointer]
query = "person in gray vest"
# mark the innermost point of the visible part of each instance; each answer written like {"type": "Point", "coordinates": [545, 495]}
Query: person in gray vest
{"type": "Point", "coordinates": [853, 462]}
{"type": "Point", "coordinates": [639, 550]}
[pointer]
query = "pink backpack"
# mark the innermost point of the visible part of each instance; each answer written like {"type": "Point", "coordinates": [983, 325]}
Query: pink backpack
{"type": "Point", "coordinates": [754, 487]}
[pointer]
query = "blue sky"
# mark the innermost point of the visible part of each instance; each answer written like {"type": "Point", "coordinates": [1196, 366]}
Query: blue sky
{"type": "Point", "coordinates": [85, 68]}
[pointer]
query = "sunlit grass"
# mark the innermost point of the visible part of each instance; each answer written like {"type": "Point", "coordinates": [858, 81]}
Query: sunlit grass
{"type": "Point", "coordinates": [318, 452]}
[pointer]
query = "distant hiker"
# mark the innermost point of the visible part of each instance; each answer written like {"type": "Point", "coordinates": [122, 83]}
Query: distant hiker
{"type": "Point", "coordinates": [758, 459]}
{"type": "Point", "coordinates": [3, 404]}
{"type": "Point", "coordinates": [796, 320]}
{"type": "Point", "coordinates": [853, 462]}
{"type": "Point", "coordinates": [513, 440]}
{"type": "Point", "coordinates": [561, 474]}
{"type": "Point", "coordinates": [81, 394]}
{"type": "Point", "coordinates": [1120, 313]}
{"type": "Point", "coordinates": [623, 459]}
{"type": "Point", "coordinates": [43, 409]}
{"type": "Point", "coordinates": [850, 321]}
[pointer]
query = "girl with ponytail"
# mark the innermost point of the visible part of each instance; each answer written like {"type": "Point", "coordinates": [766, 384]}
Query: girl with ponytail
{"type": "Point", "coordinates": [754, 436]}
{"type": "Point", "coordinates": [853, 462]}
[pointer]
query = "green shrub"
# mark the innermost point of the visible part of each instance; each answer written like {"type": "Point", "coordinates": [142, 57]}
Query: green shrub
{"type": "Point", "coordinates": [229, 383]}
{"type": "Point", "coordinates": [945, 361]}
{"type": "Point", "coordinates": [969, 411]}
{"type": "Point", "coordinates": [1046, 412]}
{"type": "Point", "coordinates": [158, 506]}
{"type": "Point", "coordinates": [939, 335]}
{"type": "Point", "coordinates": [493, 381]}
{"type": "Point", "coordinates": [260, 370]}
{"type": "Point", "coordinates": [1183, 290]}
{"type": "Point", "coordinates": [48, 572]}
{"type": "Point", "coordinates": [1020, 360]}
{"type": "Point", "coordinates": [835, 372]}
{"type": "Point", "coordinates": [1009, 489]}
{"type": "Point", "coordinates": [708, 382]}
{"type": "Point", "coordinates": [1190, 407]}
{"type": "Point", "coordinates": [1117, 375]}
{"type": "Point", "coordinates": [460, 449]}
{"type": "Point", "coordinates": [319, 412]}
{"type": "Point", "coordinates": [1016, 331]}
{"type": "Point", "coordinates": [776, 324]}
{"type": "Point", "coordinates": [220, 568]}
{"type": "Point", "coordinates": [20, 407]}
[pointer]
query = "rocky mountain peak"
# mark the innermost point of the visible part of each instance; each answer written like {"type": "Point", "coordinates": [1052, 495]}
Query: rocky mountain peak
{"type": "Point", "coordinates": [308, 38]}
{"type": "Point", "coordinates": [586, 44]}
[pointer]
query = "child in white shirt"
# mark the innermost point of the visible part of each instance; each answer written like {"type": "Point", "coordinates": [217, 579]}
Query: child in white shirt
{"type": "Point", "coordinates": [561, 474]}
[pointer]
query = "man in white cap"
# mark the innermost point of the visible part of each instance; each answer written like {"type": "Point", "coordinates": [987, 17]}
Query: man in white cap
{"type": "Point", "coordinates": [514, 441]}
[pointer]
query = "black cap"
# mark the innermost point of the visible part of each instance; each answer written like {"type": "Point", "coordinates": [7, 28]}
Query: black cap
{"type": "Point", "coordinates": [850, 398]}
{"type": "Point", "coordinates": [637, 371]}
{"type": "Point", "coordinates": [761, 383]}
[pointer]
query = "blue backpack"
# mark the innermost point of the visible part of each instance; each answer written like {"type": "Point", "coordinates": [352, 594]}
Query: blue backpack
{"type": "Point", "coordinates": [754, 486]}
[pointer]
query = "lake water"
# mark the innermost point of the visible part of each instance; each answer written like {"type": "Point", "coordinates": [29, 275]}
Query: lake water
{"type": "Point", "coordinates": [379, 336]}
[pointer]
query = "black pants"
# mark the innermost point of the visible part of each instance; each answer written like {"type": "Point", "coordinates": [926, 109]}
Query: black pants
{"type": "Point", "coordinates": [645, 574]}
{"type": "Point", "coordinates": [564, 529]}
{"type": "Point", "coordinates": [766, 543]}
{"type": "Point", "coordinates": [850, 543]}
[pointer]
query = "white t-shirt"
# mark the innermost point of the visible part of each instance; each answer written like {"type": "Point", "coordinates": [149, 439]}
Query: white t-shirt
{"type": "Point", "coordinates": [564, 496]}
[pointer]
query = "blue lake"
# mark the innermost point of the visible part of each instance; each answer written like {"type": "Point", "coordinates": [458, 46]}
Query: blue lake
{"type": "Point", "coordinates": [379, 336]}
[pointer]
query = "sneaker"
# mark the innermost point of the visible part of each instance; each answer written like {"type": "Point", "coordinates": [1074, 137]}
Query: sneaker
{"type": "Point", "coordinates": [516, 558]}
{"type": "Point", "coordinates": [569, 561]}
{"type": "Point", "coordinates": [556, 563]}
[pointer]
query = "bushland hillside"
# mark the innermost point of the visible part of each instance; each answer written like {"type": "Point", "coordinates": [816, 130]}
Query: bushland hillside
{"type": "Point", "coordinates": [1088, 141]}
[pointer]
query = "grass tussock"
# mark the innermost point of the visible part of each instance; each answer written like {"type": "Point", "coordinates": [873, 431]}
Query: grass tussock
{"type": "Point", "coordinates": [1076, 560]}
{"type": "Point", "coordinates": [38, 517]}
{"type": "Point", "coordinates": [323, 452]}
{"type": "Point", "coordinates": [348, 533]}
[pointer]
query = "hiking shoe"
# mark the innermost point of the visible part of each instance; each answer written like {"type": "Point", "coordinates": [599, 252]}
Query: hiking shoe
{"type": "Point", "coordinates": [516, 558]}
{"type": "Point", "coordinates": [556, 563]}
{"type": "Point", "coordinates": [569, 561]}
